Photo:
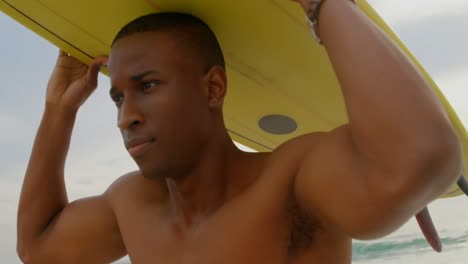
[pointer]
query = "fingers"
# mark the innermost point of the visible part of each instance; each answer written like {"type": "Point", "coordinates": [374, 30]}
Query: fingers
{"type": "Point", "coordinates": [92, 74]}
{"type": "Point", "coordinates": [62, 53]}
{"type": "Point", "coordinates": [93, 71]}
{"type": "Point", "coordinates": [102, 59]}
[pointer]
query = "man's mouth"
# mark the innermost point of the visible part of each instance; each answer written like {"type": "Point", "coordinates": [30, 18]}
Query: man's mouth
{"type": "Point", "coordinates": [137, 148]}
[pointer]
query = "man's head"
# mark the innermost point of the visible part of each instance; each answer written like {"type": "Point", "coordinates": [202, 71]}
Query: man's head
{"type": "Point", "coordinates": [190, 30]}
{"type": "Point", "coordinates": [168, 82]}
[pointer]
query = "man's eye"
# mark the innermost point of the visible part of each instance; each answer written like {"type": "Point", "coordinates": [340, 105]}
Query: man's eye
{"type": "Point", "coordinates": [117, 99]}
{"type": "Point", "coordinates": [150, 84]}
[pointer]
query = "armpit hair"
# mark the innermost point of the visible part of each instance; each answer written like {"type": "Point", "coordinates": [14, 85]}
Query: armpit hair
{"type": "Point", "coordinates": [303, 227]}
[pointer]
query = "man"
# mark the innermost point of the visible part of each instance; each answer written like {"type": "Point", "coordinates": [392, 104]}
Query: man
{"type": "Point", "coordinates": [198, 199]}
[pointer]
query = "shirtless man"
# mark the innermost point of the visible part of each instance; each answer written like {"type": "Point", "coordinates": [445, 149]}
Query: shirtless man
{"type": "Point", "coordinates": [198, 199]}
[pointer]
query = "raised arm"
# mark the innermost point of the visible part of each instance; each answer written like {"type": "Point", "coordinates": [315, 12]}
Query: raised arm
{"type": "Point", "coordinates": [50, 229]}
{"type": "Point", "coordinates": [398, 151]}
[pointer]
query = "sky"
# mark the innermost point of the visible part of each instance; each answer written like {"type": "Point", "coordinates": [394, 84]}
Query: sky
{"type": "Point", "coordinates": [436, 34]}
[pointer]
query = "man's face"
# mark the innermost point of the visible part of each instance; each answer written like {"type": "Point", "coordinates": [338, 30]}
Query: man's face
{"type": "Point", "coordinates": [163, 114]}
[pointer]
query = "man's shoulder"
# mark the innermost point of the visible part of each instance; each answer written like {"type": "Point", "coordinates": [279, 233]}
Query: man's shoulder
{"type": "Point", "coordinates": [280, 166]}
{"type": "Point", "coordinates": [132, 186]}
{"type": "Point", "coordinates": [297, 147]}
{"type": "Point", "coordinates": [124, 182]}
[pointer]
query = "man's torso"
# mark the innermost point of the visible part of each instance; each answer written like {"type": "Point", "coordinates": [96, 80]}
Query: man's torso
{"type": "Point", "coordinates": [260, 224]}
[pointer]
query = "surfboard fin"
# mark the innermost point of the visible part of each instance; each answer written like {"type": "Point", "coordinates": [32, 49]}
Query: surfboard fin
{"type": "Point", "coordinates": [463, 184]}
{"type": "Point", "coordinates": [428, 229]}
{"type": "Point", "coordinates": [427, 225]}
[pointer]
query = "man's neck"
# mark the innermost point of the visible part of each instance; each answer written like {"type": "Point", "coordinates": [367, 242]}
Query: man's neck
{"type": "Point", "coordinates": [207, 187]}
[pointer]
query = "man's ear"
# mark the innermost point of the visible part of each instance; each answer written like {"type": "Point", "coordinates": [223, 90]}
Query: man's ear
{"type": "Point", "coordinates": [216, 84]}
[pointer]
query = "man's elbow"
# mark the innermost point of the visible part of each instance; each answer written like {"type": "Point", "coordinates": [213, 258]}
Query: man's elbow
{"type": "Point", "coordinates": [445, 165]}
{"type": "Point", "coordinates": [438, 166]}
{"type": "Point", "coordinates": [429, 171]}
{"type": "Point", "coordinates": [28, 253]}
{"type": "Point", "coordinates": [23, 253]}
{"type": "Point", "coordinates": [29, 256]}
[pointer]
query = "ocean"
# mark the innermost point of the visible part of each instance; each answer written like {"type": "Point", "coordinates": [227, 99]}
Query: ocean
{"type": "Point", "coordinates": [402, 249]}
{"type": "Point", "coordinates": [407, 245]}
{"type": "Point", "coordinates": [413, 248]}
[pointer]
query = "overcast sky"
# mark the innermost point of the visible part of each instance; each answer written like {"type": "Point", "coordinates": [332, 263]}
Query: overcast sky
{"type": "Point", "coordinates": [437, 35]}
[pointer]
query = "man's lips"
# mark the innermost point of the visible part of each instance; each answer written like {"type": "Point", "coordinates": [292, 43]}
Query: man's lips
{"type": "Point", "coordinates": [137, 147]}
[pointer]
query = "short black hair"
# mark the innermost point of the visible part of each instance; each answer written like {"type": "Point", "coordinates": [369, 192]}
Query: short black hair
{"type": "Point", "coordinates": [197, 33]}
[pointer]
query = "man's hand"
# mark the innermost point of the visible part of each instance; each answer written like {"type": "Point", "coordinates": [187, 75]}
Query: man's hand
{"type": "Point", "coordinates": [307, 4]}
{"type": "Point", "coordinates": [72, 82]}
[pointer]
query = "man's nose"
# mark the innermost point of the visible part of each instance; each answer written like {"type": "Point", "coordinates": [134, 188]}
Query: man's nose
{"type": "Point", "coordinates": [130, 114]}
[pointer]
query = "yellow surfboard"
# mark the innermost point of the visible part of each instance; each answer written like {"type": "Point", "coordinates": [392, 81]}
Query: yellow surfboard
{"type": "Point", "coordinates": [281, 83]}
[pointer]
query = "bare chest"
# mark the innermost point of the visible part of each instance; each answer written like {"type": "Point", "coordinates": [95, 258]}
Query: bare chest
{"type": "Point", "coordinates": [261, 225]}
{"type": "Point", "coordinates": [237, 233]}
